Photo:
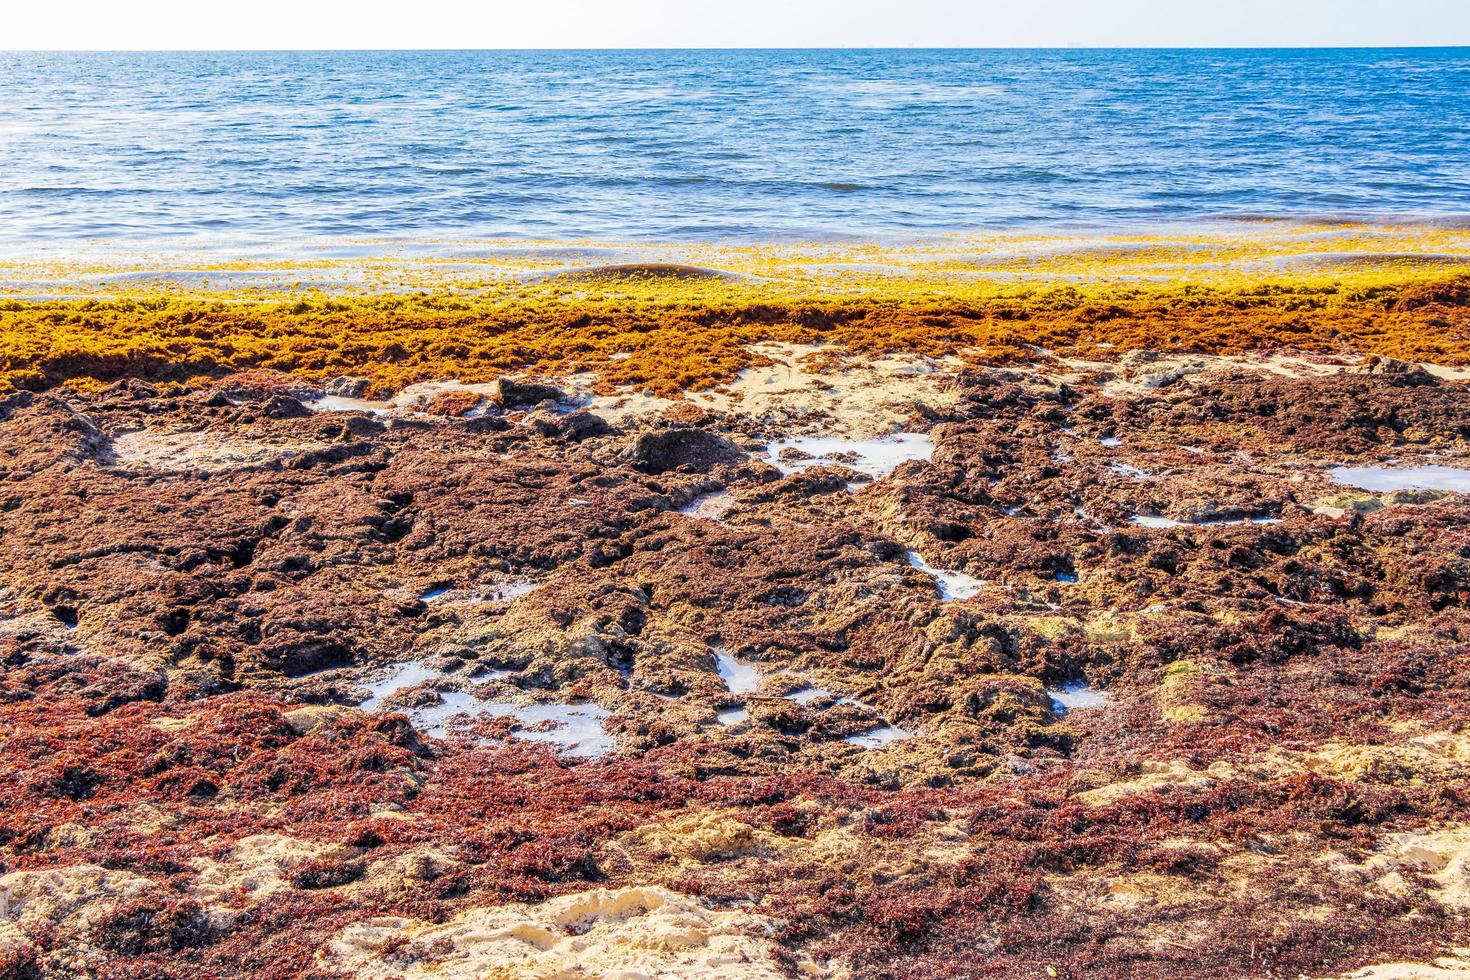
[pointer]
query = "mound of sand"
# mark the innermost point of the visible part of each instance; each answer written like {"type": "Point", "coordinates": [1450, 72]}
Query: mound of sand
{"type": "Point", "coordinates": [623, 933]}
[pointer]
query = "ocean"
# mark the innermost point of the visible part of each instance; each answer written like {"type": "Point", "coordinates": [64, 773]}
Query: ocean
{"type": "Point", "coordinates": [720, 146]}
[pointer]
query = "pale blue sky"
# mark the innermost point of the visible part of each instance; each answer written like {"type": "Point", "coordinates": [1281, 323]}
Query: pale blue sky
{"type": "Point", "coordinates": [151, 24]}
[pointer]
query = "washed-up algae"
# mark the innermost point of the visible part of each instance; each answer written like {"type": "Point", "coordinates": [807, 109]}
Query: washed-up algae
{"type": "Point", "coordinates": [669, 346]}
{"type": "Point", "coordinates": [669, 334]}
{"type": "Point", "coordinates": [202, 577]}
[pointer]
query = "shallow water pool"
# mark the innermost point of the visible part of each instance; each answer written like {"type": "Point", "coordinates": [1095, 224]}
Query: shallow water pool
{"type": "Point", "coordinates": [574, 729]}
{"type": "Point", "coordinates": [401, 678]}
{"type": "Point", "coordinates": [732, 716]}
{"type": "Point", "coordinates": [338, 403]}
{"type": "Point", "coordinates": [1154, 521]}
{"type": "Point", "coordinates": [876, 738]}
{"type": "Point", "coordinates": [951, 584]}
{"type": "Point", "coordinates": [1072, 695]}
{"type": "Point", "coordinates": [874, 457]}
{"type": "Point", "coordinates": [494, 592]}
{"type": "Point", "coordinates": [739, 678]}
{"type": "Point", "coordinates": [806, 695]}
{"type": "Point", "coordinates": [1386, 479]}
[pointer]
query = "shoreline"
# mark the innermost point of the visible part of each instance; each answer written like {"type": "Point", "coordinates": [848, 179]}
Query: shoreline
{"type": "Point", "coordinates": [684, 318]}
{"type": "Point", "coordinates": [1191, 245]}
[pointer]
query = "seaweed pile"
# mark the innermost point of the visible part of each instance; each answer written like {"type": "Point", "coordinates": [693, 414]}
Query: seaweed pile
{"type": "Point", "coordinates": [1103, 668]}
{"type": "Point", "coordinates": [670, 328]}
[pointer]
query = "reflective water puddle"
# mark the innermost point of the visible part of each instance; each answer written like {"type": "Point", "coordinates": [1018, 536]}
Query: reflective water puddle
{"type": "Point", "coordinates": [573, 729]}
{"type": "Point", "coordinates": [1072, 695]}
{"type": "Point", "coordinates": [874, 457]}
{"type": "Point", "coordinates": [1154, 521]}
{"type": "Point", "coordinates": [1386, 479]}
{"type": "Point", "coordinates": [494, 592]}
{"type": "Point", "coordinates": [739, 678]}
{"type": "Point", "coordinates": [951, 584]}
{"type": "Point", "coordinates": [806, 695]}
{"type": "Point", "coordinates": [876, 738]}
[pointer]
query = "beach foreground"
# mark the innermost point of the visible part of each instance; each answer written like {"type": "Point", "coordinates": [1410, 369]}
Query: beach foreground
{"type": "Point", "coordinates": [1084, 609]}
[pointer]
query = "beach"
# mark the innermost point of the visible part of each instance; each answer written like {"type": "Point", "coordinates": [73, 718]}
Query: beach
{"type": "Point", "coordinates": [863, 513]}
{"type": "Point", "coordinates": [1063, 605]}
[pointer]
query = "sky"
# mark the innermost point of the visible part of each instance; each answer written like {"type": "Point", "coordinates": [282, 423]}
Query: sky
{"type": "Point", "coordinates": [276, 24]}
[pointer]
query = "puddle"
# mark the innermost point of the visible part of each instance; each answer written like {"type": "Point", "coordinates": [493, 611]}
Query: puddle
{"type": "Point", "coordinates": [732, 716]}
{"type": "Point", "coordinates": [1112, 442]}
{"type": "Point", "coordinates": [876, 738]}
{"type": "Point", "coordinates": [1123, 469]}
{"type": "Point", "coordinates": [505, 591]}
{"type": "Point", "coordinates": [579, 502]}
{"type": "Point", "coordinates": [806, 695]}
{"type": "Point", "coordinates": [1076, 694]}
{"type": "Point", "coordinates": [574, 729]}
{"type": "Point", "coordinates": [414, 398]}
{"type": "Point", "coordinates": [874, 457]}
{"type": "Point", "coordinates": [1067, 578]}
{"type": "Point", "coordinates": [495, 592]}
{"type": "Point", "coordinates": [1386, 479]}
{"type": "Point", "coordinates": [952, 585]}
{"type": "Point", "coordinates": [709, 506]}
{"type": "Point", "coordinates": [1152, 520]}
{"type": "Point", "coordinates": [401, 678]}
{"type": "Point", "coordinates": [339, 403]}
{"type": "Point", "coordinates": [739, 678]}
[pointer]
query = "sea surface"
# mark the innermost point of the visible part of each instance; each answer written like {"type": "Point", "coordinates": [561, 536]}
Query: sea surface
{"type": "Point", "coordinates": [722, 146]}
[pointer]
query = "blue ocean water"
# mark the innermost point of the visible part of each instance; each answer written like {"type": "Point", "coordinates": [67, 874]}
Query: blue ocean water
{"type": "Point", "coordinates": [719, 145]}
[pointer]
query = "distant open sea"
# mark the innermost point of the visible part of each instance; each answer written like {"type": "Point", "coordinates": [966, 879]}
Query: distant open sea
{"type": "Point", "coordinates": [725, 146]}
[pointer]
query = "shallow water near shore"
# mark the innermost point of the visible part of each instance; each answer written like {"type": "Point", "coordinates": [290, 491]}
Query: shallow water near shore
{"type": "Point", "coordinates": [716, 144]}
